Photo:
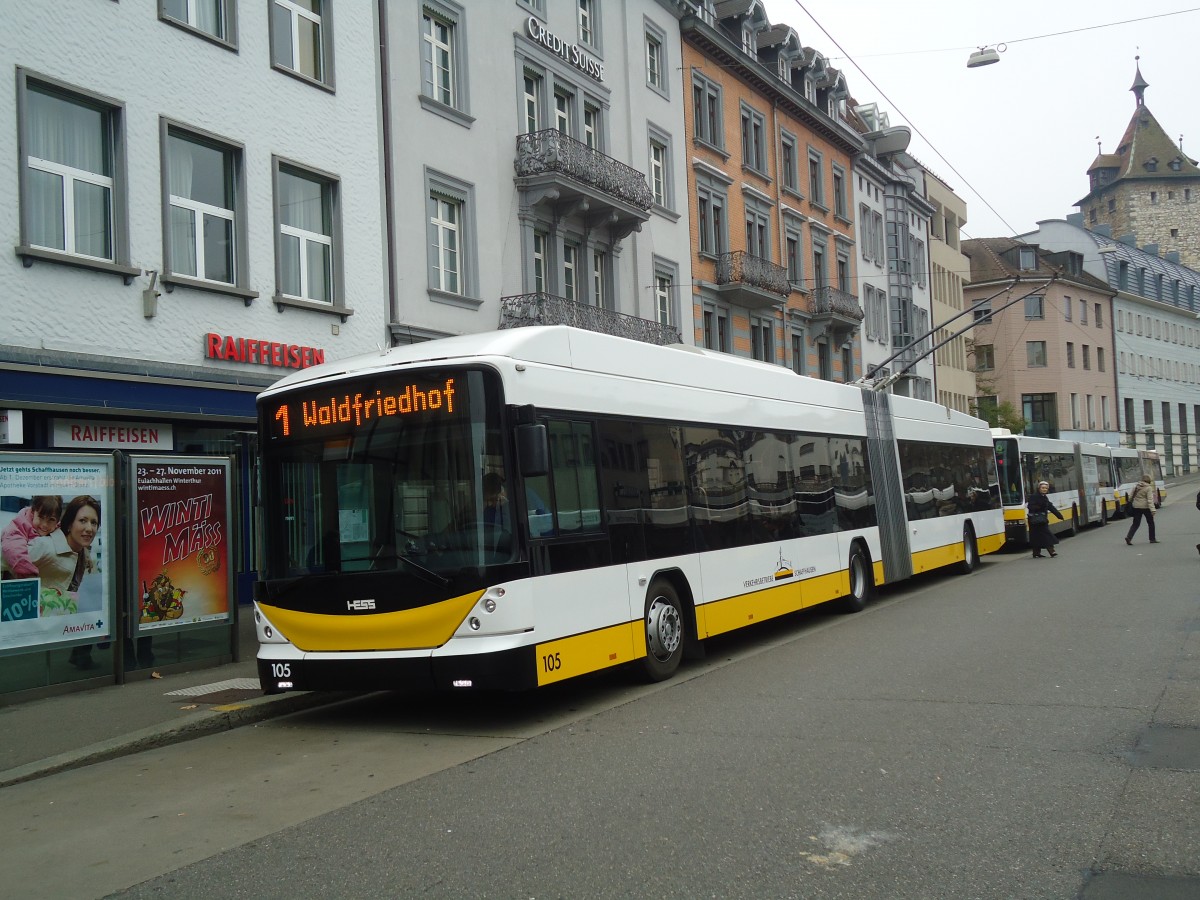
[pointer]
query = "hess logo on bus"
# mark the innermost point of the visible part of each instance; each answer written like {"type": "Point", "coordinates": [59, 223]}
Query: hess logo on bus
{"type": "Point", "coordinates": [359, 605]}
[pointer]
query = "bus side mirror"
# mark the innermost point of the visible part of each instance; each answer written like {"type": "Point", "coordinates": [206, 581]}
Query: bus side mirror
{"type": "Point", "coordinates": [533, 450]}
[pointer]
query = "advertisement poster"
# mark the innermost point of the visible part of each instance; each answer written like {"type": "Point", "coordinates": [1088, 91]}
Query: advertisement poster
{"type": "Point", "coordinates": [182, 541]}
{"type": "Point", "coordinates": [55, 541]}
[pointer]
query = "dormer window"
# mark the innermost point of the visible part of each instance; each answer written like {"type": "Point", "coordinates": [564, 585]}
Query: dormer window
{"type": "Point", "coordinates": [1151, 165]}
{"type": "Point", "coordinates": [1027, 259]}
{"type": "Point", "coordinates": [1176, 164]}
{"type": "Point", "coordinates": [748, 39]}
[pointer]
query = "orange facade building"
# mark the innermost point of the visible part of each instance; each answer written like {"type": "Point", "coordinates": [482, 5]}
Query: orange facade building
{"type": "Point", "coordinates": [770, 191]}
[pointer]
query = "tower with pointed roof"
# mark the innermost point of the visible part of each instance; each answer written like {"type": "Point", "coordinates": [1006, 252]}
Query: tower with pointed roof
{"type": "Point", "coordinates": [1147, 192]}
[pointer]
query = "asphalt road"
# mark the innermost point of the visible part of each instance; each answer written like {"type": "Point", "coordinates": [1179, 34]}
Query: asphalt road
{"type": "Point", "coordinates": [1028, 731]}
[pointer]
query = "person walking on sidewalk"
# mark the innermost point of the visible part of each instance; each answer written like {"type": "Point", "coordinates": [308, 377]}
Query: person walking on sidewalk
{"type": "Point", "coordinates": [1040, 508]}
{"type": "Point", "coordinates": [1142, 501]}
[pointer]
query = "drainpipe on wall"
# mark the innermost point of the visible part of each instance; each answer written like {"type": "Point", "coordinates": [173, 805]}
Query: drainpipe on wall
{"type": "Point", "coordinates": [389, 216]}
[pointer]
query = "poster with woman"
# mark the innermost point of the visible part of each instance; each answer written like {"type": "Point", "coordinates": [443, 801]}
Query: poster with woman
{"type": "Point", "coordinates": [182, 542]}
{"type": "Point", "coordinates": [55, 583]}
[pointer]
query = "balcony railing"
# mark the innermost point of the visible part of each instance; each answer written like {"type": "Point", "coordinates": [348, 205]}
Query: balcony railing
{"type": "Point", "coordinates": [828, 300]}
{"type": "Point", "coordinates": [552, 151]}
{"type": "Point", "coordinates": [546, 309]}
{"type": "Point", "coordinates": [739, 267]}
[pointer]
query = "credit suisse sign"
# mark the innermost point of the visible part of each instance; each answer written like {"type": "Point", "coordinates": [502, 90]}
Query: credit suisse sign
{"type": "Point", "coordinates": [571, 53]}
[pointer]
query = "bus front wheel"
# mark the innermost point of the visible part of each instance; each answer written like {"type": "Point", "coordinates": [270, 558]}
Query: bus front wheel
{"type": "Point", "coordinates": [664, 631]}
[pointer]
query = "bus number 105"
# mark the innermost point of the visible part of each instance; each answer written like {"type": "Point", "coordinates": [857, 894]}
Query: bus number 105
{"type": "Point", "coordinates": [551, 662]}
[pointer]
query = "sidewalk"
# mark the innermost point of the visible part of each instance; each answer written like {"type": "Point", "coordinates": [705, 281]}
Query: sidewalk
{"type": "Point", "coordinates": [42, 737]}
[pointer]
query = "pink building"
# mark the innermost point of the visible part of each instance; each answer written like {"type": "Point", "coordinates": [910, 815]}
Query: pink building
{"type": "Point", "coordinates": [1044, 339]}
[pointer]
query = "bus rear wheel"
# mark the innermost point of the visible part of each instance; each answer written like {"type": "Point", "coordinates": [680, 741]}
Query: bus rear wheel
{"type": "Point", "coordinates": [970, 560]}
{"type": "Point", "coordinates": [664, 631]}
{"type": "Point", "coordinates": [862, 581]}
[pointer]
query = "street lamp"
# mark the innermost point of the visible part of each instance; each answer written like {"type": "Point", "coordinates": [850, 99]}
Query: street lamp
{"type": "Point", "coordinates": [984, 56]}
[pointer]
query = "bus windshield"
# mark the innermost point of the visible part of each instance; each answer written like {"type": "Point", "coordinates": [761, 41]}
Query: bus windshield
{"type": "Point", "coordinates": [392, 471]}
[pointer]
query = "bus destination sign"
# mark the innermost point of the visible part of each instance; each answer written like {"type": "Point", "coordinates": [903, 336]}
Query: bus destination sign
{"type": "Point", "coordinates": [296, 418]}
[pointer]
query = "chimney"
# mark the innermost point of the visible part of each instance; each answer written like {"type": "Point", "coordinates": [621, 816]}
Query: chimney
{"type": "Point", "coordinates": [1075, 219]}
{"type": "Point", "coordinates": [1104, 230]}
{"type": "Point", "coordinates": [1152, 249]}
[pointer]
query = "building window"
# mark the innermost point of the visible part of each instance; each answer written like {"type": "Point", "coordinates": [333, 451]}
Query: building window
{"type": "Point", "coordinates": [1099, 317]}
{"type": "Point", "coordinates": [711, 221]}
{"type": "Point", "coordinates": [665, 276]}
{"type": "Point", "coordinates": [1100, 359]}
{"type": "Point", "coordinates": [985, 357]}
{"type": "Point", "coordinates": [1067, 306]}
{"type": "Point", "coordinates": [308, 263]}
{"type": "Point", "coordinates": [591, 127]}
{"type": "Point", "coordinates": [203, 217]}
{"type": "Point", "coordinates": [599, 282]}
{"type": "Point", "coordinates": [798, 360]}
{"type": "Point", "coordinates": [72, 192]}
{"type": "Point", "coordinates": [753, 148]}
{"type": "Point", "coordinates": [792, 261]}
{"type": "Point", "coordinates": [298, 39]}
{"type": "Point", "coordinates": [1087, 356]}
{"type": "Point", "coordinates": [789, 163]}
{"type": "Point", "coordinates": [656, 59]}
{"type": "Point", "coordinates": [446, 229]}
{"type": "Point", "coordinates": [816, 180]}
{"type": "Point", "coordinates": [762, 339]}
{"type": "Point", "coordinates": [539, 262]}
{"type": "Point", "coordinates": [758, 229]}
{"type": "Point", "coordinates": [570, 270]}
{"type": "Point", "coordinates": [587, 22]}
{"type": "Point", "coordinates": [1034, 307]}
{"type": "Point", "coordinates": [1112, 206]}
{"type": "Point", "coordinates": [706, 111]}
{"type": "Point", "coordinates": [716, 330]}
{"type": "Point", "coordinates": [562, 112]}
{"type": "Point", "coordinates": [532, 103]}
{"type": "Point", "coordinates": [1082, 312]}
{"type": "Point", "coordinates": [839, 192]}
{"type": "Point", "coordinates": [658, 173]}
{"type": "Point", "coordinates": [211, 18]}
{"type": "Point", "coordinates": [847, 363]}
{"type": "Point", "coordinates": [443, 59]}
{"type": "Point", "coordinates": [1035, 353]}
{"type": "Point", "coordinates": [450, 218]}
{"type": "Point", "coordinates": [1027, 259]}
{"type": "Point", "coordinates": [1070, 355]}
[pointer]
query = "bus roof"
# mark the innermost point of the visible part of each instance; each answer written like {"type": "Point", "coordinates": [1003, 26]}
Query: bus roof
{"type": "Point", "coordinates": [590, 351]}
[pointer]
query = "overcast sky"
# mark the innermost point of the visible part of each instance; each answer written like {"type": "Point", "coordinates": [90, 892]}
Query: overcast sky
{"type": "Point", "coordinates": [1018, 135]}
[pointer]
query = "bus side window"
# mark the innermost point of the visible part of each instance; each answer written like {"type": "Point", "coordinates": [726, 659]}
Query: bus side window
{"type": "Point", "coordinates": [572, 487]}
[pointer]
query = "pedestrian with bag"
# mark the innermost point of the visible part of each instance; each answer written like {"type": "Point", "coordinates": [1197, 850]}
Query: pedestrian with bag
{"type": "Point", "coordinates": [1143, 501]}
{"type": "Point", "coordinates": [1040, 509]}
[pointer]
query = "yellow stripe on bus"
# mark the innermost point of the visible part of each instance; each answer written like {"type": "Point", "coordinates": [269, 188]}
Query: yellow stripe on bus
{"type": "Point", "coordinates": [732, 613]}
{"type": "Point", "coordinates": [410, 629]}
{"type": "Point", "coordinates": [590, 652]}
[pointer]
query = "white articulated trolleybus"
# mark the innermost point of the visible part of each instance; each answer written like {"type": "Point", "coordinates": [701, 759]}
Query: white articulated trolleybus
{"type": "Point", "coordinates": [511, 509]}
{"type": "Point", "coordinates": [1081, 477]}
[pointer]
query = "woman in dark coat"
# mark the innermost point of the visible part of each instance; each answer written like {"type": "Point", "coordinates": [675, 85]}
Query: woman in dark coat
{"type": "Point", "coordinates": [1040, 536]}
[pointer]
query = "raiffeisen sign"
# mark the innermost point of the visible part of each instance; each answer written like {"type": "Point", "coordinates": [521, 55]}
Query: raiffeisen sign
{"type": "Point", "coordinates": [572, 53]}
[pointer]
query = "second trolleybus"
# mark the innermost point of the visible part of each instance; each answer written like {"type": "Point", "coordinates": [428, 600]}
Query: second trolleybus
{"type": "Point", "coordinates": [507, 510]}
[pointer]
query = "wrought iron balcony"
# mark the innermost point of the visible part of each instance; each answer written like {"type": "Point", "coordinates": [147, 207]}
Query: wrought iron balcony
{"type": "Point", "coordinates": [546, 309]}
{"type": "Point", "coordinates": [554, 168]}
{"type": "Point", "coordinates": [837, 312]}
{"type": "Point", "coordinates": [831, 301]}
{"type": "Point", "coordinates": [751, 281]}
